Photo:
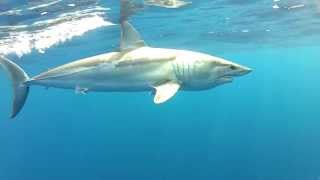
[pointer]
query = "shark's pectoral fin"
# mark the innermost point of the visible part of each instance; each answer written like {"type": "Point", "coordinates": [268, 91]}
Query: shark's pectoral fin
{"type": "Point", "coordinates": [165, 91]}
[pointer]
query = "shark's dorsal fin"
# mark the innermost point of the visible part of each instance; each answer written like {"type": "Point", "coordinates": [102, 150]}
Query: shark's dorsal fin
{"type": "Point", "coordinates": [130, 38]}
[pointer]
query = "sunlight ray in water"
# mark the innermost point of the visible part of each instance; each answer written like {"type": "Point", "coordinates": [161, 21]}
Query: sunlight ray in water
{"type": "Point", "coordinates": [39, 35]}
{"type": "Point", "coordinates": [44, 5]}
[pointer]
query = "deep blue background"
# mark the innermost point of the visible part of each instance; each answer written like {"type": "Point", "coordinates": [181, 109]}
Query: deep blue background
{"type": "Point", "coordinates": [263, 126]}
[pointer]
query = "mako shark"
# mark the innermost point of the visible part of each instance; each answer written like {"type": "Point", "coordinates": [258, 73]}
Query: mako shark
{"type": "Point", "coordinates": [167, 3]}
{"type": "Point", "coordinates": [136, 67]}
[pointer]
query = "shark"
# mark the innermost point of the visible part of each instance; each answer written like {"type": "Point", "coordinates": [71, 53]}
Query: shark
{"type": "Point", "coordinates": [135, 67]}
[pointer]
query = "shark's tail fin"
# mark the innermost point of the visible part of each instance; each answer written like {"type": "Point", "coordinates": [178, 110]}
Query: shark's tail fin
{"type": "Point", "coordinates": [18, 78]}
{"type": "Point", "coordinates": [128, 8]}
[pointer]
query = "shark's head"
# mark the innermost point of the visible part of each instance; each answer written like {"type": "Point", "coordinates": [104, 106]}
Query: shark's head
{"type": "Point", "coordinates": [223, 72]}
{"type": "Point", "coordinates": [208, 72]}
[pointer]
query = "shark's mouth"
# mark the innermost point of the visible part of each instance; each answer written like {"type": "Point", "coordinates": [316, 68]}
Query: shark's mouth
{"type": "Point", "coordinates": [226, 79]}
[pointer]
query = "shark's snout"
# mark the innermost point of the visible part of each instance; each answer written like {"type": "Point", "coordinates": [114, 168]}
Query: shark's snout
{"type": "Point", "coordinates": [245, 70]}
{"type": "Point", "coordinates": [239, 70]}
{"type": "Point", "coordinates": [233, 71]}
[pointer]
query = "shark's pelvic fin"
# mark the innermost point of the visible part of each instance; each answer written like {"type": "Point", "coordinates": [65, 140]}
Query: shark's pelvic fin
{"type": "Point", "coordinates": [165, 91]}
{"type": "Point", "coordinates": [130, 38]}
{"type": "Point", "coordinates": [81, 90]}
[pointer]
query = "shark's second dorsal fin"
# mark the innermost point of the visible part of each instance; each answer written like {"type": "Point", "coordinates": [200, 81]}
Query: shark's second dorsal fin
{"type": "Point", "coordinates": [130, 38]}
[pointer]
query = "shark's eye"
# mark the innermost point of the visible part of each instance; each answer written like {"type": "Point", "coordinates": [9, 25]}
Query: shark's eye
{"type": "Point", "coordinates": [232, 67]}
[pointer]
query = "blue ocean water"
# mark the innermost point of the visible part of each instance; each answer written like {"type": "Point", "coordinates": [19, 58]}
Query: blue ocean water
{"type": "Point", "coordinates": [263, 126]}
